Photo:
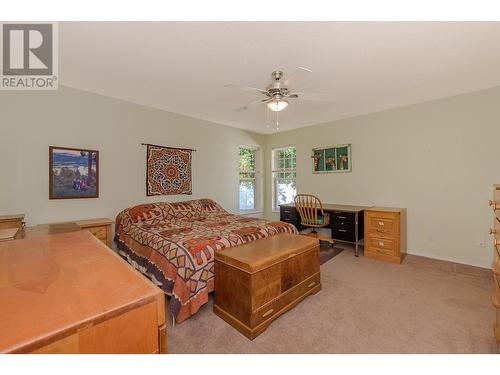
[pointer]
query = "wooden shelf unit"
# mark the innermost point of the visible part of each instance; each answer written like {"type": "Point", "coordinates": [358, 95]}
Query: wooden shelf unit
{"type": "Point", "coordinates": [495, 232]}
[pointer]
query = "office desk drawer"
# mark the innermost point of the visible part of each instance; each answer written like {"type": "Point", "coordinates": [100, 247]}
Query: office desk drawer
{"type": "Point", "coordinates": [288, 214]}
{"type": "Point", "coordinates": [342, 219]}
{"type": "Point", "coordinates": [344, 234]}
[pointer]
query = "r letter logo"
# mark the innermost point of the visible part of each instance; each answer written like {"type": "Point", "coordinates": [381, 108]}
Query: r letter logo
{"type": "Point", "coordinates": [29, 56]}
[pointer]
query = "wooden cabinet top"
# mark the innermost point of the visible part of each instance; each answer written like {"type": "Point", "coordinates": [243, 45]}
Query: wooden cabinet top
{"type": "Point", "coordinates": [53, 285]}
{"type": "Point", "coordinates": [94, 222]}
{"type": "Point", "coordinates": [16, 217]}
{"type": "Point", "coordinates": [386, 209]}
{"type": "Point", "coordinates": [257, 255]}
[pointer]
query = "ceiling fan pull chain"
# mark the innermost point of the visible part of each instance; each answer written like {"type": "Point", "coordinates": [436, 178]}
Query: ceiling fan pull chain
{"type": "Point", "coordinates": [267, 117]}
{"type": "Point", "coordinates": [277, 121]}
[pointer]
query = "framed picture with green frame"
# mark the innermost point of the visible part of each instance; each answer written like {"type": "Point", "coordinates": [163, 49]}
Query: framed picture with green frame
{"type": "Point", "coordinates": [332, 159]}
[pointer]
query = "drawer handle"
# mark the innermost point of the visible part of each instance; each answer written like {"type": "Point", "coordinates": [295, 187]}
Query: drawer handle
{"type": "Point", "coordinates": [287, 211]}
{"type": "Point", "coordinates": [493, 205]}
{"type": "Point", "coordinates": [342, 217]}
{"type": "Point", "coordinates": [494, 302]}
{"type": "Point", "coordinates": [292, 255]}
{"type": "Point", "coordinates": [312, 284]}
{"type": "Point", "coordinates": [381, 230]}
{"type": "Point", "coordinates": [267, 313]}
{"type": "Point", "coordinates": [493, 231]}
{"type": "Point", "coordinates": [381, 223]}
{"type": "Point", "coordinates": [342, 230]}
{"type": "Point", "coordinates": [381, 243]}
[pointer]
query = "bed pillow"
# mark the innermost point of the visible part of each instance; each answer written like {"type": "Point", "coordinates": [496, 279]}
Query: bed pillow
{"type": "Point", "coordinates": [208, 206]}
{"type": "Point", "coordinates": [187, 210]}
{"type": "Point", "coordinates": [144, 212]}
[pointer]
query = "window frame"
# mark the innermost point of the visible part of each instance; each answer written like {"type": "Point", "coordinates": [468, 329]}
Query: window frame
{"type": "Point", "coordinates": [274, 171]}
{"type": "Point", "coordinates": [255, 172]}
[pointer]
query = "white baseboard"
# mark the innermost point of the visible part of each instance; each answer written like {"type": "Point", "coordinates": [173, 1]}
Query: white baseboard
{"type": "Point", "coordinates": [459, 261]}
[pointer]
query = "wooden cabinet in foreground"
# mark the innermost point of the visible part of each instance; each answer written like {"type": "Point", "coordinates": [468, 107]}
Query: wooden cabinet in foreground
{"type": "Point", "coordinates": [258, 281]}
{"type": "Point", "coordinates": [100, 228]}
{"type": "Point", "coordinates": [67, 293]}
{"type": "Point", "coordinates": [385, 233]}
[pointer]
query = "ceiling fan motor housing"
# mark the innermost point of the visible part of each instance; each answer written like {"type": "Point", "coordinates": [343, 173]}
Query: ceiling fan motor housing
{"type": "Point", "coordinates": [276, 88]}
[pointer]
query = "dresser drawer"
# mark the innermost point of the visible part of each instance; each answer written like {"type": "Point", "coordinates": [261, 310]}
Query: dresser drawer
{"type": "Point", "coordinates": [381, 225]}
{"type": "Point", "coordinates": [496, 252]}
{"type": "Point", "coordinates": [269, 311]}
{"type": "Point", "coordinates": [381, 245]}
{"type": "Point", "coordinates": [99, 232]}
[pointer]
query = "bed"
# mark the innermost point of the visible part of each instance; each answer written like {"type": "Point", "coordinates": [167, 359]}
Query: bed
{"type": "Point", "coordinates": [174, 244]}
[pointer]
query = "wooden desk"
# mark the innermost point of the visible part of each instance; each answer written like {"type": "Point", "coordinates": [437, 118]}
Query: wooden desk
{"type": "Point", "coordinates": [347, 222]}
{"type": "Point", "coordinates": [69, 293]}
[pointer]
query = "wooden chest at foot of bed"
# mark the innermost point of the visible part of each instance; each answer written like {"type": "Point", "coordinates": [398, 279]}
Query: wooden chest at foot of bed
{"type": "Point", "coordinates": [258, 281]}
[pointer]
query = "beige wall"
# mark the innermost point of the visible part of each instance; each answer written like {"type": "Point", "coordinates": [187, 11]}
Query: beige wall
{"type": "Point", "coordinates": [437, 159]}
{"type": "Point", "coordinates": [32, 121]}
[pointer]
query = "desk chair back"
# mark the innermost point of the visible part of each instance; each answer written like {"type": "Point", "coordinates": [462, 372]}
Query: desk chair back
{"type": "Point", "coordinates": [311, 211]}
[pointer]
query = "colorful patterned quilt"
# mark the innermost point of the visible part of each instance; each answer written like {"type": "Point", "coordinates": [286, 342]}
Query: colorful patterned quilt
{"type": "Point", "coordinates": [174, 244]}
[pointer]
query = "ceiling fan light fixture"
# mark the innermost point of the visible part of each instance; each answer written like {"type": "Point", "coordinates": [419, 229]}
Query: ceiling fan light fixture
{"type": "Point", "coordinates": [277, 105]}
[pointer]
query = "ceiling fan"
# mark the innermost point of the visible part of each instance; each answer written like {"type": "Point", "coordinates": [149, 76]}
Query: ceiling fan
{"type": "Point", "coordinates": [280, 91]}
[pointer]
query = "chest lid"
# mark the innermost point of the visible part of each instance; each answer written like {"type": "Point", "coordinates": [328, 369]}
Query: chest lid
{"type": "Point", "coordinates": [255, 256]}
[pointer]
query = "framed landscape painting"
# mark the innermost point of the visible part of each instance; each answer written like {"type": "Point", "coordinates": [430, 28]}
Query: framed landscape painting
{"type": "Point", "coordinates": [73, 173]}
{"type": "Point", "coordinates": [332, 159]}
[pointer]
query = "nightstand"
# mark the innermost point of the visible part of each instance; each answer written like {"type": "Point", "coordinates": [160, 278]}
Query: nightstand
{"type": "Point", "coordinates": [11, 221]}
{"type": "Point", "coordinates": [100, 228]}
{"type": "Point", "coordinates": [385, 233]}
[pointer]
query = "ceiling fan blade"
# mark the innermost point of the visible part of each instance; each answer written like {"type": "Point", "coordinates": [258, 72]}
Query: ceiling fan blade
{"type": "Point", "coordinates": [251, 104]}
{"type": "Point", "coordinates": [245, 88]}
{"type": "Point", "coordinates": [311, 96]}
{"type": "Point", "coordinates": [297, 76]}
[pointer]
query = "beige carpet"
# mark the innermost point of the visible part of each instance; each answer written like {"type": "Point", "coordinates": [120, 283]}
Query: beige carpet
{"type": "Point", "coordinates": [366, 306]}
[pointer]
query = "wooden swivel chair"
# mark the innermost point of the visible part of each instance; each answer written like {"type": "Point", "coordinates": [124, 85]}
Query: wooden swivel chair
{"type": "Point", "coordinates": [312, 215]}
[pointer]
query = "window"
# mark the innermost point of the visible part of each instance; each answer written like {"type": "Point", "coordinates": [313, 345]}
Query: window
{"type": "Point", "coordinates": [284, 164]}
{"type": "Point", "coordinates": [247, 178]}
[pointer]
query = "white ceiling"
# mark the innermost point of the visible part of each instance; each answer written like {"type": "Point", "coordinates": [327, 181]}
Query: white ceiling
{"type": "Point", "coordinates": [182, 67]}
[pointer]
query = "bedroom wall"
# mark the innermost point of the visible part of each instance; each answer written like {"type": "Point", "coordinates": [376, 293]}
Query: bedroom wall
{"type": "Point", "coordinates": [438, 159]}
{"type": "Point", "coordinates": [30, 122]}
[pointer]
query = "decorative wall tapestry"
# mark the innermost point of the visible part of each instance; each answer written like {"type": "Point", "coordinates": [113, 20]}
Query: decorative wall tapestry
{"type": "Point", "coordinates": [168, 170]}
{"type": "Point", "coordinates": [332, 159]}
{"type": "Point", "coordinates": [73, 173]}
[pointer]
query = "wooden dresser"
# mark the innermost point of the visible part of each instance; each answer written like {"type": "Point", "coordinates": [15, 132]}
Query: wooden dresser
{"type": "Point", "coordinates": [100, 228]}
{"type": "Point", "coordinates": [495, 232]}
{"type": "Point", "coordinates": [257, 282]}
{"type": "Point", "coordinates": [66, 292]}
{"type": "Point", "coordinates": [385, 233]}
{"type": "Point", "coordinates": [11, 221]}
